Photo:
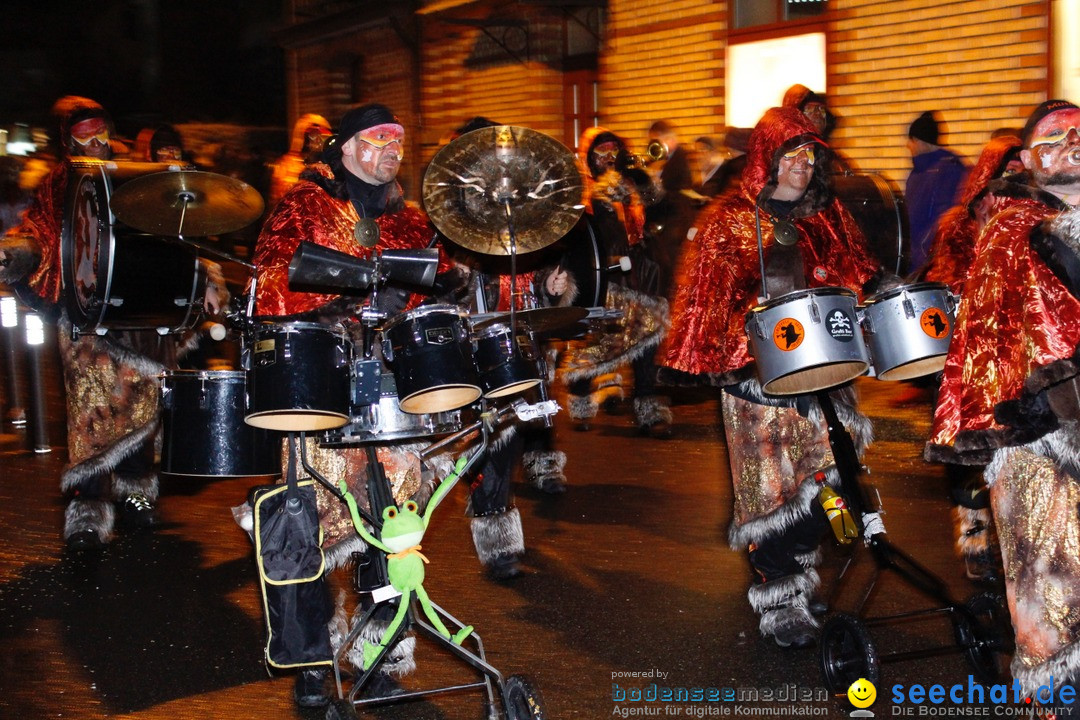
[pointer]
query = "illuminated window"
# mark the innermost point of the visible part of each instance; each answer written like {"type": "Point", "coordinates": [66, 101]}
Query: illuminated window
{"type": "Point", "coordinates": [759, 72]}
{"type": "Point", "coordinates": [1066, 34]}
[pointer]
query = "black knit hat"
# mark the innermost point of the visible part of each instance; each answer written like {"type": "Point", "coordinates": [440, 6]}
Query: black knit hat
{"type": "Point", "coordinates": [1044, 109]}
{"type": "Point", "coordinates": [925, 128]}
{"type": "Point", "coordinates": [352, 122]}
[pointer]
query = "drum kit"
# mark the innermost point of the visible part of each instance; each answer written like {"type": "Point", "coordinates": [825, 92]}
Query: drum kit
{"type": "Point", "coordinates": [130, 265]}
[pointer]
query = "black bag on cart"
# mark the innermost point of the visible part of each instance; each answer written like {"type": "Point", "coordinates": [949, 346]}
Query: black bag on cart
{"type": "Point", "coordinates": [288, 550]}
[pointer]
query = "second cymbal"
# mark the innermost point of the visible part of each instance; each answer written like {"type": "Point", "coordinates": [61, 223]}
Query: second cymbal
{"type": "Point", "coordinates": [186, 202]}
{"type": "Point", "coordinates": [537, 319]}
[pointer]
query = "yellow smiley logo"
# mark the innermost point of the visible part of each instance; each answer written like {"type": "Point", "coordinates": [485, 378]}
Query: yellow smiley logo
{"type": "Point", "coordinates": [862, 693]}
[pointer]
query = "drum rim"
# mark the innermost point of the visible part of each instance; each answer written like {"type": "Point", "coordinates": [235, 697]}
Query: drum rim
{"type": "Point", "coordinates": [824, 291]}
{"type": "Point", "coordinates": [493, 329]}
{"type": "Point", "coordinates": [911, 287]}
{"type": "Point", "coordinates": [238, 374]}
{"type": "Point", "coordinates": [299, 325]}
{"type": "Point", "coordinates": [424, 310]}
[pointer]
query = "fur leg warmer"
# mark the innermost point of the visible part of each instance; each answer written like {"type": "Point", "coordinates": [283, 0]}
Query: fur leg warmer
{"type": "Point", "coordinates": [544, 469]}
{"type": "Point", "coordinates": [95, 515]}
{"type": "Point", "coordinates": [651, 410]}
{"type": "Point", "coordinates": [583, 407]}
{"type": "Point", "coordinates": [783, 605]}
{"type": "Point", "coordinates": [124, 485]}
{"type": "Point", "coordinates": [399, 662]}
{"type": "Point", "coordinates": [498, 535]}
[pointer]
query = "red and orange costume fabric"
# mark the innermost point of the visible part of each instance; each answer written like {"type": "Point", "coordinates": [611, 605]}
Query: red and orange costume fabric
{"type": "Point", "coordinates": [286, 170]}
{"type": "Point", "coordinates": [953, 249]}
{"type": "Point", "coordinates": [1009, 399]}
{"type": "Point", "coordinates": [774, 449]}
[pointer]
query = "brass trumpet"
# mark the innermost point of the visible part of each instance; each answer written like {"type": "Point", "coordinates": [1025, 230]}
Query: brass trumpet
{"type": "Point", "coordinates": [654, 153]}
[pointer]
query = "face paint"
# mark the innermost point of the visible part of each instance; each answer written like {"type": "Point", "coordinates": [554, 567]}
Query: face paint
{"type": "Point", "coordinates": [374, 154]}
{"type": "Point", "coordinates": [807, 150]}
{"type": "Point", "coordinates": [90, 138]}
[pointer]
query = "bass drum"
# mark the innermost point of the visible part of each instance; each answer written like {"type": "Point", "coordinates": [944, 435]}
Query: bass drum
{"type": "Point", "coordinates": [204, 433]}
{"type": "Point", "coordinates": [879, 212]}
{"type": "Point", "coordinates": [115, 277]}
{"type": "Point", "coordinates": [585, 258]}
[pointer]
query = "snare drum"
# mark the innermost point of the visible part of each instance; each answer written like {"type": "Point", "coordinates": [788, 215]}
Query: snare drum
{"type": "Point", "coordinates": [299, 377]}
{"type": "Point", "coordinates": [115, 277]}
{"type": "Point", "coordinates": [505, 367]}
{"type": "Point", "coordinates": [204, 430]}
{"type": "Point", "coordinates": [431, 356]}
{"type": "Point", "coordinates": [807, 340]}
{"type": "Point", "coordinates": [384, 421]}
{"type": "Point", "coordinates": [909, 329]}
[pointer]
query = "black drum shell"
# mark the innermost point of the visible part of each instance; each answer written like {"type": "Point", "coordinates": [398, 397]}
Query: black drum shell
{"type": "Point", "coordinates": [430, 353]}
{"type": "Point", "coordinates": [204, 433]}
{"type": "Point", "coordinates": [299, 377]}
{"type": "Point", "coordinates": [503, 368]}
{"type": "Point", "coordinates": [119, 278]}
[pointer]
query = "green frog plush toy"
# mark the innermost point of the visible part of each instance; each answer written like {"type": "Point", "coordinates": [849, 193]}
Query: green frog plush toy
{"type": "Point", "coordinates": [402, 531]}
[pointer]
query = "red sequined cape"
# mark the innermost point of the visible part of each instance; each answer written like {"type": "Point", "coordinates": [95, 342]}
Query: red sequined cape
{"type": "Point", "coordinates": [308, 212]}
{"type": "Point", "coordinates": [954, 244]}
{"type": "Point", "coordinates": [719, 278]}
{"type": "Point", "coordinates": [1016, 319]}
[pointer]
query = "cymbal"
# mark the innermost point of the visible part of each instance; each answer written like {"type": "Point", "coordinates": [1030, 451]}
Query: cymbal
{"type": "Point", "coordinates": [186, 202]}
{"type": "Point", "coordinates": [537, 319]}
{"type": "Point", "coordinates": [489, 179]}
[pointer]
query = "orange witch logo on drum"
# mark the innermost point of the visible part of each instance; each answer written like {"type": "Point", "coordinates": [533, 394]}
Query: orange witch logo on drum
{"type": "Point", "coordinates": [935, 323]}
{"type": "Point", "coordinates": [788, 334]}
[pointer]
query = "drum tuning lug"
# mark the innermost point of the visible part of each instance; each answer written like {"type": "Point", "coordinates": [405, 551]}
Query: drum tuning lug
{"type": "Point", "coordinates": [909, 307]}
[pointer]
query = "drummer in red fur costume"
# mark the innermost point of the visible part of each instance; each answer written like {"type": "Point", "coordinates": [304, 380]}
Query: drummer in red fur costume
{"type": "Point", "coordinates": [352, 203]}
{"type": "Point", "coordinates": [1010, 395]}
{"type": "Point", "coordinates": [110, 380]}
{"type": "Point", "coordinates": [776, 445]}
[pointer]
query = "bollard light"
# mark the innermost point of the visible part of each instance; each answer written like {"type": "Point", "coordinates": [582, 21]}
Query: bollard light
{"type": "Point", "coordinates": [35, 338]}
{"type": "Point", "coordinates": [9, 312]}
{"type": "Point", "coordinates": [35, 330]}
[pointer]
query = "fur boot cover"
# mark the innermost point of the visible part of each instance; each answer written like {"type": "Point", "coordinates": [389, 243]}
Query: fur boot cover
{"type": "Point", "coordinates": [398, 663]}
{"type": "Point", "coordinates": [544, 469]}
{"type": "Point", "coordinates": [651, 410]}
{"type": "Point", "coordinates": [498, 535]}
{"type": "Point", "coordinates": [583, 407]}
{"type": "Point", "coordinates": [96, 515]}
{"type": "Point", "coordinates": [123, 485]}
{"type": "Point", "coordinates": [783, 604]}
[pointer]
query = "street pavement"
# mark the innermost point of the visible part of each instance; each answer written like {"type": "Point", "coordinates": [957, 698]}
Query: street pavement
{"type": "Point", "coordinates": [629, 587]}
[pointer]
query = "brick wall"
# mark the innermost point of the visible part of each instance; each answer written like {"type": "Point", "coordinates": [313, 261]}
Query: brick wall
{"type": "Point", "coordinates": [467, 73]}
{"type": "Point", "coordinates": [663, 59]}
{"type": "Point", "coordinates": [981, 65]}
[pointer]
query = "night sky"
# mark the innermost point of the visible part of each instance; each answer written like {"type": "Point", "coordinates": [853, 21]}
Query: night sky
{"type": "Point", "coordinates": [144, 60]}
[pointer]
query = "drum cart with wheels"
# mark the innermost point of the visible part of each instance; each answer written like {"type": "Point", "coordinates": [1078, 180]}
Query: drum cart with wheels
{"type": "Point", "coordinates": [507, 698]}
{"type": "Point", "coordinates": [981, 626]}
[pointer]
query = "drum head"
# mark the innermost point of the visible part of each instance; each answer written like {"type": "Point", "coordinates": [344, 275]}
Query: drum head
{"type": "Point", "coordinates": [86, 242]}
{"type": "Point", "coordinates": [442, 398]}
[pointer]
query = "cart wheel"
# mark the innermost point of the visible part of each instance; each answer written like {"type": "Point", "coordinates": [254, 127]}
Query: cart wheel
{"type": "Point", "coordinates": [341, 710]}
{"type": "Point", "coordinates": [984, 633]}
{"type": "Point", "coordinates": [523, 699]}
{"type": "Point", "coordinates": [847, 653]}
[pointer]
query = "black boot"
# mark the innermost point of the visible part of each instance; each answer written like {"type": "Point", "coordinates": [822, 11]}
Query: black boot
{"type": "Point", "coordinates": [310, 688]}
